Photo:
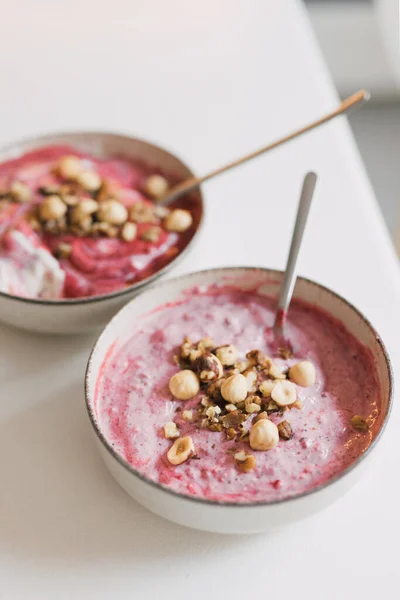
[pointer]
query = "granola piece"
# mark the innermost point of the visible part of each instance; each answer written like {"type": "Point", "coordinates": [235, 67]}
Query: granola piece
{"type": "Point", "coordinates": [359, 424]}
{"type": "Point", "coordinates": [285, 430]}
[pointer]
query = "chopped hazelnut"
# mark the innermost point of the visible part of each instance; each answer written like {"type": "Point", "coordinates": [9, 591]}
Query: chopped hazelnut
{"type": "Point", "coordinates": [359, 424]}
{"type": "Point", "coordinates": [298, 404]}
{"type": "Point", "coordinates": [89, 180]}
{"type": "Point", "coordinates": [184, 385]}
{"type": "Point", "coordinates": [245, 365]}
{"type": "Point", "coordinates": [178, 220]}
{"type": "Point", "coordinates": [181, 450]}
{"type": "Point", "coordinates": [284, 393]}
{"type": "Point", "coordinates": [142, 212]}
{"type": "Point", "coordinates": [252, 407]}
{"type": "Point", "coordinates": [303, 373]}
{"type": "Point", "coordinates": [128, 232]}
{"type": "Point", "coordinates": [208, 367]}
{"type": "Point", "coordinates": [285, 430]}
{"type": "Point", "coordinates": [156, 186]}
{"type": "Point", "coordinates": [52, 208]}
{"type": "Point", "coordinates": [276, 371]}
{"type": "Point", "coordinates": [69, 167]}
{"type": "Point", "coordinates": [266, 387]}
{"type": "Point", "coordinates": [21, 192]}
{"type": "Point", "coordinates": [234, 389]}
{"type": "Point", "coordinates": [63, 250]}
{"type": "Point", "coordinates": [152, 234]}
{"type": "Point", "coordinates": [187, 415]}
{"type": "Point", "coordinates": [215, 426]}
{"type": "Point", "coordinates": [245, 462]}
{"type": "Point", "coordinates": [230, 433]}
{"type": "Point", "coordinates": [230, 407]}
{"type": "Point", "coordinates": [264, 435]}
{"type": "Point", "coordinates": [233, 419]}
{"type": "Point", "coordinates": [205, 344]}
{"type": "Point", "coordinates": [259, 358]}
{"type": "Point", "coordinates": [212, 412]}
{"type": "Point", "coordinates": [171, 431]}
{"type": "Point", "coordinates": [161, 212]}
{"type": "Point", "coordinates": [106, 229]}
{"type": "Point", "coordinates": [113, 212]}
{"type": "Point", "coordinates": [214, 389]}
{"type": "Point", "coordinates": [86, 207]}
{"type": "Point", "coordinates": [228, 355]}
{"type": "Point", "coordinates": [251, 377]}
{"type": "Point", "coordinates": [262, 415]}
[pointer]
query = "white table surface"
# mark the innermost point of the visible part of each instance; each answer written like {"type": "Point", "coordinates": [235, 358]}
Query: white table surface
{"type": "Point", "coordinates": [210, 80]}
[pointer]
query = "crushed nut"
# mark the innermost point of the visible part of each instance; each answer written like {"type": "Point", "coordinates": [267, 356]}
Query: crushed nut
{"type": "Point", "coordinates": [63, 250]}
{"type": "Point", "coordinates": [228, 355]}
{"type": "Point", "coordinates": [359, 424]}
{"type": "Point", "coordinates": [262, 415]}
{"type": "Point", "coordinates": [272, 407]}
{"type": "Point", "coordinates": [104, 229]}
{"type": "Point", "coordinates": [184, 385]}
{"type": "Point", "coordinates": [214, 390]}
{"type": "Point", "coordinates": [285, 353]}
{"type": "Point", "coordinates": [206, 402]}
{"type": "Point", "coordinates": [298, 404]}
{"type": "Point", "coordinates": [128, 232]}
{"type": "Point", "coordinates": [244, 365]}
{"type": "Point", "coordinates": [20, 192]}
{"type": "Point", "coordinates": [171, 431]}
{"type": "Point", "coordinates": [276, 372]}
{"type": "Point", "coordinates": [259, 359]}
{"type": "Point", "coordinates": [245, 462]}
{"type": "Point", "coordinates": [266, 387]}
{"type": "Point", "coordinates": [152, 234]}
{"type": "Point", "coordinates": [233, 419]}
{"type": "Point", "coordinates": [285, 430]}
{"type": "Point", "coordinates": [251, 380]}
{"type": "Point", "coordinates": [252, 407]}
{"type": "Point", "coordinates": [230, 407]}
{"type": "Point", "coordinates": [230, 433]}
{"type": "Point", "coordinates": [212, 412]}
{"type": "Point", "coordinates": [205, 344]}
{"type": "Point", "coordinates": [208, 367]}
{"type": "Point", "coordinates": [181, 450]}
{"type": "Point", "coordinates": [187, 415]}
{"type": "Point", "coordinates": [142, 212]}
{"type": "Point", "coordinates": [86, 207]}
{"type": "Point", "coordinates": [215, 427]}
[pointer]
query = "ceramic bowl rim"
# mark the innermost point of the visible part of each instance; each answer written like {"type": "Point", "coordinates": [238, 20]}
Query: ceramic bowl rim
{"type": "Point", "coordinates": [135, 286]}
{"type": "Point", "coordinates": [205, 501]}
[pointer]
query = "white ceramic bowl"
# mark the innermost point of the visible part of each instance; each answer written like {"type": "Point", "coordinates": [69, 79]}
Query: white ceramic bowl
{"type": "Point", "coordinates": [219, 516]}
{"type": "Point", "coordinates": [85, 314]}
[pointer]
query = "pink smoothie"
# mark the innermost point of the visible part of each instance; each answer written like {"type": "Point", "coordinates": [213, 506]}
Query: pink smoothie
{"type": "Point", "coordinates": [133, 401]}
{"type": "Point", "coordinates": [29, 261]}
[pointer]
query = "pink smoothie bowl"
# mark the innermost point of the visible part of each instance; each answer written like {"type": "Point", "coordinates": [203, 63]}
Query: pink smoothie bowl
{"type": "Point", "coordinates": [215, 515]}
{"type": "Point", "coordinates": [69, 315]}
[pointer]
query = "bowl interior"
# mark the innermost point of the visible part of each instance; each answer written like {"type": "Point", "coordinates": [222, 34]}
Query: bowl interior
{"type": "Point", "coordinates": [267, 282]}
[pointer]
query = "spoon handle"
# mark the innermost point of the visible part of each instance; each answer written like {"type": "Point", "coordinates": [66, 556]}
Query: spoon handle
{"type": "Point", "coordinates": [290, 275]}
{"type": "Point", "coordinates": [358, 98]}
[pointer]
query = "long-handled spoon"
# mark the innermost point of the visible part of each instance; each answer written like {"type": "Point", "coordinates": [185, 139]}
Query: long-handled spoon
{"type": "Point", "coordinates": [357, 99]}
{"type": "Point", "coordinates": [289, 278]}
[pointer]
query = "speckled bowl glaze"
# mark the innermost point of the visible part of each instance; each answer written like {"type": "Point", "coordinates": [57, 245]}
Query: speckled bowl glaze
{"type": "Point", "coordinates": [80, 315]}
{"type": "Point", "coordinates": [211, 515]}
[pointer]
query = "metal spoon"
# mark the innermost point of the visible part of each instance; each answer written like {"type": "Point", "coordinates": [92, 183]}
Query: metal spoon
{"type": "Point", "coordinates": [290, 276]}
{"type": "Point", "coordinates": [359, 98]}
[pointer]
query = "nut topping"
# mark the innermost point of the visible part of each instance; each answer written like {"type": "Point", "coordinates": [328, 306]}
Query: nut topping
{"type": "Point", "coordinates": [52, 208]}
{"type": "Point", "coordinates": [187, 415]}
{"type": "Point", "coordinates": [128, 232]}
{"type": "Point", "coordinates": [152, 234]}
{"type": "Point", "coordinates": [142, 212]}
{"type": "Point", "coordinates": [285, 430]}
{"type": "Point", "coordinates": [234, 389]}
{"type": "Point", "coordinates": [264, 435]}
{"type": "Point", "coordinates": [69, 167]}
{"type": "Point", "coordinates": [181, 450]}
{"type": "Point", "coordinates": [303, 373]}
{"type": "Point", "coordinates": [20, 192]}
{"type": "Point", "coordinates": [89, 180]}
{"type": "Point", "coordinates": [171, 431]}
{"type": "Point", "coordinates": [233, 419]}
{"type": "Point", "coordinates": [184, 385]}
{"type": "Point", "coordinates": [359, 424]}
{"type": "Point", "coordinates": [266, 387]}
{"type": "Point", "coordinates": [178, 220]}
{"type": "Point", "coordinates": [251, 380]}
{"type": "Point", "coordinates": [245, 462]}
{"type": "Point", "coordinates": [156, 186]}
{"type": "Point", "coordinates": [261, 416]}
{"type": "Point", "coordinates": [113, 212]}
{"type": "Point", "coordinates": [208, 367]}
{"type": "Point", "coordinates": [228, 355]}
{"type": "Point", "coordinates": [284, 393]}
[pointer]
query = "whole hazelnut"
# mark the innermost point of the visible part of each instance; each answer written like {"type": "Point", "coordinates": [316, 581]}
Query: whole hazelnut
{"type": "Point", "coordinates": [234, 389]}
{"type": "Point", "coordinates": [228, 355]}
{"type": "Point", "coordinates": [69, 167]}
{"type": "Point", "coordinates": [208, 367]}
{"type": "Point", "coordinates": [303, 373]}
{"type": "Point", "coordinates": [156, 186]}
{"type": "Point", "coordinates": [264, 435]}
{"type": "Point", "coordinates": [178, 220]}
{"type": "Point", "coordinates": [284, 393]}
{"type": "Point", "coordinates": [184, 385]}
{"type": "Point", "coordinates": [89, 180]}
{"type": "Point", "coordinates": [52, 208]}
{"type": "Point", "coordinates": [86, 207]}
{"type": "Point", "coordinates": [113, 212]}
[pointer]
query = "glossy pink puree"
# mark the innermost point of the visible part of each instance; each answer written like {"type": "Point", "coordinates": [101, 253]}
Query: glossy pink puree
{"type": "Point", "coordinates": [133, 400]}
{"type": "Point", "coordinates": [96, 265]}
